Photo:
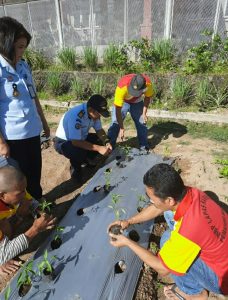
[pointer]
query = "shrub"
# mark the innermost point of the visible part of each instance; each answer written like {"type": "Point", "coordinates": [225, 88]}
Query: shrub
{"type": "Point", "coordinates": [211, 53]}
{"type": "Point", "coordinates": [36, 59]}
{"type": "Point", "coordinates": [90, 58]}
{"type": "Point", "coordinates": [54, 83]}
{"type": "Point", "coordinates": [97, 85]}
{"type": "Point", "coordinates": [67, 57]}
{"type": "Point", "coordinates": [203, 90]}
{"type": "Point", "coordinates": [181, 92]}
{"type": "Point", "coordinates": [77, 88]}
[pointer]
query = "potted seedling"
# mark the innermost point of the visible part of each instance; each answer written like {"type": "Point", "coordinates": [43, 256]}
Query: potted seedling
{"type": "Point", "coordinates": [107, 186]}
{"type": "Point", "coordinates": [57, 240]}
{"type": "Point", "coordinates": [45, 266]}
{"type": "Point", "coordinates": [118, 211]}
{"type": "Point", "coordinates": [45, 207]}
{"type": "Point", "coordinates": [24, 281]}
{"type": "Point", "coordinates": [141, 202]}
{"type": "Point", "coordinates": [126, 150]}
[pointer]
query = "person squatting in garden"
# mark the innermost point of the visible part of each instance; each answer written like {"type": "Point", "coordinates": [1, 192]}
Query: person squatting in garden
{"type": "Point", "coordinates": [73, 139]}
{"type": "Point", "coordinates": [194, 249]}
{"type": "Point", "coordinates": [133, 94]}
{"type": "Point", "coordinates": [21, 115]}
{"type": "Point", "coordinates": [13, 202]}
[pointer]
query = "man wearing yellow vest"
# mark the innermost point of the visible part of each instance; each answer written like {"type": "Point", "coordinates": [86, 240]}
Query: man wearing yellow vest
{"type": "Point", "coordinates": [194, 249]}
{"type": "Point", "coordinates": [12, 201]}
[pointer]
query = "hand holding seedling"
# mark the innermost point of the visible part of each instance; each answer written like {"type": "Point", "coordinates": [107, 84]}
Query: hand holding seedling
{"type": "Point", "coordinates": [123, 223]}
{"type": "Point", "coordinates": [118, 240]}
{"type": "Point", "coordinates": [103, 150]}
{"type": "Point", "coordinates": [44, 222]}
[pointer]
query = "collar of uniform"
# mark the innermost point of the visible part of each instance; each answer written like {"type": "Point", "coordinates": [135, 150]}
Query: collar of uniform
{"type": "Point", "coordinates": [86, 111]}
{"type": "Point", "coordinates": [184, 205]}
{"type": "Point", "coordinates": [6, 64]}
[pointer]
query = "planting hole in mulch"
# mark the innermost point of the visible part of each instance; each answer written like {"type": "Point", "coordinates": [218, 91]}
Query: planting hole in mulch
{"type": "Point", "coordinates": [56, 243]}
{"type": "Point", "coordinates": [120, 267]}
{"type": "Point", "coordinates": [49, 275]}
{"type": "Point", "coordinates": [97, 188]}
{"type": "Point", "coordinates": [108, 170]}
{"type": "Point", "coordinates": [24, 289]}
{"type": "Point", "coordinates": [120, 165]}
{"type": "Point", "coordinates": [80, 211]}
{"type": "Point", "coordinates": [118, 157]}
{"type": "Point", "coordinates": [139, 209]}
{"type": "Point", "coordinates": [129, 158]}
{"type": "Point", "coordinates": [107, 188]}
{"type": "Point", "coordinates": [134, 236]}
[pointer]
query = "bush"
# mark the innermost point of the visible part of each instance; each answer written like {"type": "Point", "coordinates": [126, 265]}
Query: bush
{"type": "Point", "coordinates": [181, 92]}
{"type": "Point", "coordinates": [67, 57]}
{"type": "Point", "coordinates": [36, 59]}
{"type": "Point", "coordinates": [97, 85]}
{"type": "Point", "coordinates": [207, 55]}
{"type": "Point", "coordinates": [77, 88]}
{"type": "Point", "coordinates": [90, 58]}
{"type": "Point", "coordinates": [55, 84]}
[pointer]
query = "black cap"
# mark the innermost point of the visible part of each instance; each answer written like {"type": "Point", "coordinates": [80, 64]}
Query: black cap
{"type": "Point", "coordinates": [137, 85]}
{"type": "Point", "coordinates": [99, 103]}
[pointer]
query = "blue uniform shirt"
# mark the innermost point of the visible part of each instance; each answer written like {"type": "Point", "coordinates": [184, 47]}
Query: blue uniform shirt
{"type": "Point", "coordinates": [19, 118]}
{"type": "Point", "coordinates": [75, 124]}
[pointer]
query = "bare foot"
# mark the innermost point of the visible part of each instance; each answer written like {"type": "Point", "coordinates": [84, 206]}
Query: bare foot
{"type": "Point", "coordinates": [10, 267]}
{"type": "Point", "coordinates": [173, 293]}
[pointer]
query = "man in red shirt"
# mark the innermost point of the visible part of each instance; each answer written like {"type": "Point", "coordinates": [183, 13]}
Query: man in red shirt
{"type": "Point", "coordinates": [194, 249]}
{"type": "Point", "coordinates": [133, 94]}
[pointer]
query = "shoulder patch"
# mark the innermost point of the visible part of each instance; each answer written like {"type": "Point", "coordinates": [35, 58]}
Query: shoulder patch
{"type": "Point", "coordinates": [78, 126]}
{"type": "Point", "coordinates": [81, 113]}
{"type": "Point", "coordinates": [78, 120]}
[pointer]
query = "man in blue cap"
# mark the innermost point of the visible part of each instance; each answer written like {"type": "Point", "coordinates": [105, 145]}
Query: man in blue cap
{"type": "Point", "coordinates": [73, 139]}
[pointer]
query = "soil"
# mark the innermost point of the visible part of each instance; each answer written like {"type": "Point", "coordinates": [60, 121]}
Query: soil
{"type": "Point", "coordinates": [194, 158]}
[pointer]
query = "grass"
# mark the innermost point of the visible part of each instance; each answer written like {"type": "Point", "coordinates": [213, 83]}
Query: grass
{"type": "Point", "coordinates": [210, 131]}
{"type": "Point", "coordinates": [67, 57]}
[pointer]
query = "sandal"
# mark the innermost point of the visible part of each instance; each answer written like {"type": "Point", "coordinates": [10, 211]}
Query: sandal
{"type": "Point", "coordinates": [178, 295]}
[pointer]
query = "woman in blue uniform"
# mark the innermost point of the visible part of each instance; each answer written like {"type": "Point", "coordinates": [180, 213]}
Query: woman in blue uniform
{"type": "Point", "coordinates": [21, 115]}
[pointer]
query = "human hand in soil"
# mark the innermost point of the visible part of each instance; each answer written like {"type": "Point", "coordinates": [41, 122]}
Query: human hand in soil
{"type": "Point", "coordinates": [103, 150]}
{"type": "Point", "coordinates": [10, 267]}
{"type": "Point", "coordinates": [123, 223]}
{"type": "Point", "coordinates": [118, 240]}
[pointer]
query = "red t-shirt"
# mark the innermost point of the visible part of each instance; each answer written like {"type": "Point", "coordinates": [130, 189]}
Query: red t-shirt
{"type": "Point", "coordinates": [201, 228]}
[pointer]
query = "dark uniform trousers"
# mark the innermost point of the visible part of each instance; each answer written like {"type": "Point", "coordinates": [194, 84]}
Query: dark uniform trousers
{"type": "Point", "coordinates": [76, 155]}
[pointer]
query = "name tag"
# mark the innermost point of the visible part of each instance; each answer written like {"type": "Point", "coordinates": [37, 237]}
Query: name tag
{"type": "Point", "coordinates": [31, 91]}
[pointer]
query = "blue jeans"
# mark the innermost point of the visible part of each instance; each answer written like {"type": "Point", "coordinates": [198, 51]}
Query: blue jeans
{"type": "Point", "coordinates": [136, 110]}
{"type": "Point", "coordinates": [199, 275]}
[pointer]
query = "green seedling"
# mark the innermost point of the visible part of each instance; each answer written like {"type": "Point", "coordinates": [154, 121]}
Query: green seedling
{"type": "Point", "coordinates": [58, 231]}
{"type": "Point", "coordinates": [107, 175]}
{"type": "Point", "coordinates": [25, 276]}
{"type": "Point", "coordinates": [166, 151]}
{"type": "Point", "coordinates": [118, 211]}
{"type": "Point", "coordinates": [45, 206]}
{"type": "Point", "coordinates": [46, 264]}
{"type": "Point", "coordinates": [154, 248]}
{"type": "Point", "coordinates": [141, 200]}
{"type": "Point", "coordinates": [7, 293]}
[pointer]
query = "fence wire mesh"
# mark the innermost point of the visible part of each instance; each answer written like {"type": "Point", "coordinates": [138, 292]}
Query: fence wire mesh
{"type": "Point", "coordinates": [77, 23]}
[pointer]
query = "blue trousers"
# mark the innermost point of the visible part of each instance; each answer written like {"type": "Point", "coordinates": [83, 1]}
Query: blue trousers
{"type": "Point", "coordinates": [199, 275]}
{"type": "Point", "coordinates": [136, 110]}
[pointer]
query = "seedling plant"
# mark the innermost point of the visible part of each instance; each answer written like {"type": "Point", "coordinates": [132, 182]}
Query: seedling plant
{"type": "Point", "coordinates": [7, 293]}
{"type": "Point", "coordinates": [141, 202]}
{"type": "Point", "coordinates": [107, 175]}
{"type": "Point", "coordinates": [57, 240]}
{"type": "Point", "coordinates": [118, 211]}
{"type": "Point", "coordinates": [24, 281]}
{"type": "Point", "coordinates": [45, 266]}
{"type": "Point", "coordinates": [45, 206]}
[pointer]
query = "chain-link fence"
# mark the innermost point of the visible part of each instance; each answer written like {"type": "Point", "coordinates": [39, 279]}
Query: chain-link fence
{"type": "Point", "coordinates": [76, 23]}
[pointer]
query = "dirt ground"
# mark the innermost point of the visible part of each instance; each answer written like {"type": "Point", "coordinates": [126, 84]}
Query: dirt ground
{"type": "Point", "coordinates": [194, 158]}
